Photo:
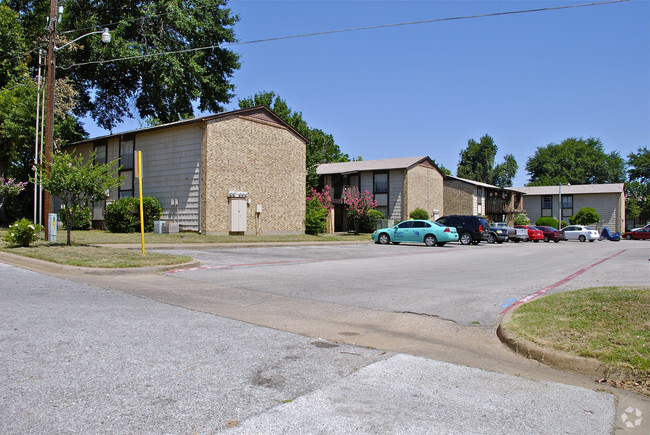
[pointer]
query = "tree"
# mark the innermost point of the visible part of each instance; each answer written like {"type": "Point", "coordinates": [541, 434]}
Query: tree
{"type": "Point", "coordinates": [321, 147]}
{"type": "Point", "coordinates": [575, 161]}
{"type": "Point", "coordinates": [585, 216]}
{"type": "Point", "coordinates": [358, 205]}
{"type": "Point", "coordinates": [149, 82]}
{"type": "Point", "coordinates": [639, 165]}
{"type": "Point", "coordinates": [78, 183]}
{"type": "Point", "coordinates": [477, 163]}
{"type": "Point", "coordinates": [637, 189]}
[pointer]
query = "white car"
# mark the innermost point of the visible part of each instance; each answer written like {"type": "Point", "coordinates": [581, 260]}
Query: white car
{"type": "Point", "coordinates": [580, 232]}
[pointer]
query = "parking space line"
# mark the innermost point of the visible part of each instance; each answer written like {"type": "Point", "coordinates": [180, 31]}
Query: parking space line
{"type": "Point", "coordinates": [532, 296]}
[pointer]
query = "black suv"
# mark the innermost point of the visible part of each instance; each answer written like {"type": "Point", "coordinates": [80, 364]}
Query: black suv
{"type": "Point", "coordinates": [471, 229]}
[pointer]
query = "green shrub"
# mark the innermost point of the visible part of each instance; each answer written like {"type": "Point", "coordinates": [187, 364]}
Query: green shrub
{"type": "Point", "coordinates": [22, 233]}
{"type": "Point", "coordinates": [419, 213]}
{"type": "Point", "coordinates": [81, 218]}
{"type": "Point", "coordinates": [368, 223]}
{"type": "Point", "coordinates": [315, 217]}
{"type": "Point", "coordinates": [522, 219]}
{"type": "Point", "coordinates": [123, 215]}
{"type": "Point", "coordinates": [585, 216]}
{"type": "Point", "coordinates": [548, 221]}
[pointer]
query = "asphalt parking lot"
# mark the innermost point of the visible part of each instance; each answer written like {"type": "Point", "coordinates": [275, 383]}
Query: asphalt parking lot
{"type": "Point", "coordinates": [469, 285]}
{"type": "Point", "coordinates": [305, 339]}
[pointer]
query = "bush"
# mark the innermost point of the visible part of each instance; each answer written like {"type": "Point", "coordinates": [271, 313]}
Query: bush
{"type": "Point", "coordinates": [81, 218]}
{"type": "Point", "coordinates": [522, 219]}
{"type": "Point", "coordinates": [548, 221]}
{"type": "Point", "coordinates": [315, 217]}
{"type": "Point", "coordinates": [585, 216]}
{"type": "Point", "coordinates": [368, 223]}
{"type": "Point", "coordinates": [418, 213]}
{"type": "Point", "coordinates": [22, 233]}
{"type": "Point", "coordinates": [123, 215]}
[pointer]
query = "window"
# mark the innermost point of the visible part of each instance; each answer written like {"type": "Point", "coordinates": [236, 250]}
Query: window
{"type": "Point", "coordinates": [127, 145]}
{"type": "Point", "coordinates": [380, 190]}
{"type": "Point", "coordinates": [126, 153]}
{"type": "Point", "coordinates": [126, 189]}
{"type": "Point", "coordinates": [406, 224]}
{"type": "Point", "coordinates": [547, 205]}
{"type": "Point", "coordinates": [567, 206]}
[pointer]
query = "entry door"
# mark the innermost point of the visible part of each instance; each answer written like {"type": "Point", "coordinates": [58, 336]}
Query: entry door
{"type": "Point", "coordinates": [238, 215]}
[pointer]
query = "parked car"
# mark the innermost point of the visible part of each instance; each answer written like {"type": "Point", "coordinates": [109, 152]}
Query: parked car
{"type": "Point", "coordinates": [497, 235]}
{"type": "Point", "coordinates": [416, 231]}
{"type": "Point", "coordinates": [471, 229]}
{"type": "Point", "coordinates": [580, 232]}
{"type": "Point", "coordinates": [640, 228]}
{"type": "Point", "coordinates": [551, 233]}
{"type": "Point", "coordinates": [534, 234]}
{"type": "Point", "coordinates": [640, 234]}
{"type": "Point", "coordinates": [515, 234]}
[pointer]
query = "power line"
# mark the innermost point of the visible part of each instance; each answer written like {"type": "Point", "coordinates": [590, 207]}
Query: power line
{"type": "Point", "coordinates": [353, 29]}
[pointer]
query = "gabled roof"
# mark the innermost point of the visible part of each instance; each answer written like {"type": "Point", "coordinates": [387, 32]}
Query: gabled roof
{"type": "Point", "coordinates": [373, 165]}
{"type": "Point", "coordinates": [488, 186]}
{"type": "Point", "coordinates": [250, 112]}
{"type": "Point", "coordinates": [578, 189]}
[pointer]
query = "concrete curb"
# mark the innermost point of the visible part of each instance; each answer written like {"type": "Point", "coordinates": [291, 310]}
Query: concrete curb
{"type": "Point", "coordinates": [557, 359]}
{"type": "Point", "coordinates": [47, 267]}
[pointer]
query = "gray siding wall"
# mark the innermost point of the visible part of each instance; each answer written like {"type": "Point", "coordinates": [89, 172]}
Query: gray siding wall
{"type": "Point", "coordinates": [171, 166]}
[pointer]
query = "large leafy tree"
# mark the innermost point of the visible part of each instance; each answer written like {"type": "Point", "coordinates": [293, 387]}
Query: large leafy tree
{"type": "Point", "coordinates": [321, 149]}
{"type": "Point", "coordinates": [575, 161]}
{"type": "Point", "coordinates": [149, 82]}
{"type": "Point", "coordinates": [477, 162]}
{"type": "Point", "coordinates": [637, 188]}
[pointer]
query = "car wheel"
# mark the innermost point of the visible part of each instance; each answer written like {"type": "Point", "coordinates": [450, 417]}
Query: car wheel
{"type": "Point", "coordinates": [383, 239]}
{"type": "Point", "coordinates": [396, 243]}
{"type": "Point", "coordinates": [465, 239]}
{"type": "Point", "coordinates": [556, 241]}
{"type": "Point", "coordinates": [546, 239]}
{"type": "Point", "coordinates": [430, 240]}
{"type": "Point", "coordinates": [535, 241]}
{"type": "Point", "coordinates": [441, 243]}
{"type": "Point", "coordinates": [491, 238]}
{"type": "Point", "coordinates": [516, 240]}
{"type": "Point", "coordinates": [592, 240]}
{"type": "Point", "coordinates": [582, 238]}
{"type": "Point", "coordinates": [628, 237]}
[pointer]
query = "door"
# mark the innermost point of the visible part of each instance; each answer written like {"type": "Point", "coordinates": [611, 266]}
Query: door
{"type": "Point", "coordinates": [238, 215]}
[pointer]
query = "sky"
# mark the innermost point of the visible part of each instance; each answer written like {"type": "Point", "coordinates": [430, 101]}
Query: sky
{"type": "Point", "coordinates": [527, 79]}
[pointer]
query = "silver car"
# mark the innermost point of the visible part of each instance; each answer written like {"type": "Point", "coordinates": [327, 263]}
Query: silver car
{"type": "Point", "coordinates": [580, 232]}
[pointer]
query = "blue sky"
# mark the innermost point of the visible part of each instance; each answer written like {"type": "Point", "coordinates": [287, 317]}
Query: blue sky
{"type": "Point", "coordinates": [527, 80]}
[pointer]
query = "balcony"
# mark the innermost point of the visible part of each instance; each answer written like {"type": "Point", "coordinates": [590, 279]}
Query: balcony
{"type": "Point", "coordinates": [338, 193]}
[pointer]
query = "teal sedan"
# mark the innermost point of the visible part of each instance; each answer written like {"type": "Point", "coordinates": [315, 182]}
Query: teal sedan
{"type": "Point", "coordinates": [416, 231]}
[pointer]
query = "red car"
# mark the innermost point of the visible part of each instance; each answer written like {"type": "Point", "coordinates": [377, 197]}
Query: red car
{"type": "Point", "coordinates": [551, 233]}
{"type": "Point", "coordinates": [643, 233]}
{"type": "Point", "coordinates": [534, 234]}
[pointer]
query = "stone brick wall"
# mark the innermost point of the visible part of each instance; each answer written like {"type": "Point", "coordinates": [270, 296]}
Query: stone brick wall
{"type": "Point", "coordinates": [458, 197]}
{"type": "Point", "coordinates": [424, 189]}
{"type": "Point", "coordinates": [264, 159]}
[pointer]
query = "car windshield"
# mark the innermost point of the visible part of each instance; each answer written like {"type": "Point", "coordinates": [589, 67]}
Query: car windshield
{"type": "Point", "coordinates": [589, 228]}
{"type": "Point", "coordinates": [551, 229]}
{"type": "Point", "coordinates": [439, 224]}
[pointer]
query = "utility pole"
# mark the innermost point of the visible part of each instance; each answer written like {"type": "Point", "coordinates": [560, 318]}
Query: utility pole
{"type": "Point", "coordinates": [49, 110]}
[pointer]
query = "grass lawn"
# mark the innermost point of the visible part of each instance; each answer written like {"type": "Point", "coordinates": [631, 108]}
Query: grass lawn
{"type": "Point", "coordinates": [82, 253]}
{"type": "Point", "coordinates": [611, 324]}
